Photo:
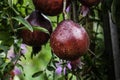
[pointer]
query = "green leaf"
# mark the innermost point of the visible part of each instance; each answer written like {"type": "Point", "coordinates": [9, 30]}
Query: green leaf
{"type": "Point", "coordinates": [37, 74]}
{"type": "Point", "coordinates": [4, 35]}
{"type": "Point", "coordinates": [36, 28]}
{"type": "Point", "coordinates": [61, 78]}
{"type": "Point", "coordinates": [41, 29]}
{"type": "Point", "coordinates": [19, 65]}
{"type": "Point", "coordinates": [54, 62]}
{"type": "Point", "coordinates": [4, 48]}
{"type": "Point", "coordinates": [20, 2]}
{"type": "Point", "coordinates": [24, 22]}
{"type": "Point", "coordinates": [15, 11]}
{"type": "Point", "coordinates": [10, 3]}
{"type": "Point", "coordinates": [45, 76]}
{"type": "Point", "coordinates": [8, 42]}
{"type": "Point", "coordinates": [50, 68]}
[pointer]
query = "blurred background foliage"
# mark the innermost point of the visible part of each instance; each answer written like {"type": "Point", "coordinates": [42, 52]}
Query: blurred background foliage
{"type": "Point", "coordinates": [13, 12]}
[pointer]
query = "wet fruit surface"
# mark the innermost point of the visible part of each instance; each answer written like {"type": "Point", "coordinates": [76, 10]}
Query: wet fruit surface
{"type": "Point", "coordinates": [69, 41]}
{"type": "Point", "coordinates": [49, 7]}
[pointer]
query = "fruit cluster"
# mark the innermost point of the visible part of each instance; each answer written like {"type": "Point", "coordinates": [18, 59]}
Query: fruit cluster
{"type": "Point", "coordinates": [68, 41]}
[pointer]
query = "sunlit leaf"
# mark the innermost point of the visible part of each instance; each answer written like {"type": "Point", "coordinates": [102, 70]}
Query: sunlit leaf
{"type": "Point", "coordinates": [37, 74]}
{"type": "Point", "coordinates": [24, 22]}
{"type": "Point", "coordinates": [36, 28]}
{"type": "Point", "coordinates": [41, 29]}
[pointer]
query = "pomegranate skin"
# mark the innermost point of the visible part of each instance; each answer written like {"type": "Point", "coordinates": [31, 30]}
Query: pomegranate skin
{"type": "Point", "coordinates": [89, 3]}
{"type": "Point", "coordinates": [49, 7]}
{"type": "Point", "coordinates": [36, 38]}
{"type": "Point", "coordinates": [69, 41]}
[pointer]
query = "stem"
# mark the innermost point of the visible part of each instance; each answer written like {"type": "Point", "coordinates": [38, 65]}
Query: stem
{"type": "Point", "coordinates": [77, 76]}
{"type": "Point", "coordinates": [74, 11]}
{"type": "Point", "coordinates": [11, 23]}
{"type": "Point", "coordinates": [19, 55]}
{"type": "Point", "coordinates": [64, 10]}
{"type": "Point", "coordinates": [66, 76]}
{"type": "Point", "coordinates": [92, 52]}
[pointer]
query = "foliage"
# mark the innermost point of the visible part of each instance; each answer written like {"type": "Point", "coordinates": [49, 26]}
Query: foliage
{"type": "Point", "coordinates": [46, 65]}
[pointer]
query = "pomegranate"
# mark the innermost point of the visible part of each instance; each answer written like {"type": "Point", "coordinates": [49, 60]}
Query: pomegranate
{"type": "Point", "coordinates": [89, 3]}
{"type": "Point", "coordinates": [36, 38]}
{"type": "Point", "coordinates": [49, 7]}
{"type": "Point", "coordinates": [69, 40]}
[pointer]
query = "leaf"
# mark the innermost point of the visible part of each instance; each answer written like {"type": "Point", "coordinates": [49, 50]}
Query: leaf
{"type": "Point", "coordinates": [61, 78]}
{"type": "Point", "coordinates": [41, 29]}
{"type": "Point", "coordinates": [4, 48]}
{"type": "Point", "coordinates": [20, 2]}
{"type": "Point", "coordinates": [4, 35]}
{"type": "Point", "coordinates": [19, 65]}
{"type": "Point", "coordinates": [24, 22]}
{"type": "Point", "coordinates": [54, 62]}
{"type": "Point", "coordinates": [45, 76]}
{"type": "Point", "coordinates": [50, 68]}
{"type": "Point", "coordinates": [10, 3]}
{"type": "Point", "coordinates": [37, 74]}
{"type": "Point", "coordinates": [36, 28]}
{"type": "Point", "coordinates": [8, 42]}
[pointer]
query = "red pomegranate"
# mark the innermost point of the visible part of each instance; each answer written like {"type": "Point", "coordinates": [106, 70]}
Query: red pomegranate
{"type": "Point", "coordinates": [36, 38]}
{"type": "Point", "coordinates": [49, 7]}
{"type": "Point", "coordinates": [89, 3]}
{"type": "Point", "coordinates": [69, 41]}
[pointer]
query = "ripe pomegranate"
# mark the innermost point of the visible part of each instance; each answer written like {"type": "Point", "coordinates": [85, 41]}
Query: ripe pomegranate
{"type": "Point", "coordinates": [69, 41]}
{"type": "Point", "coordinates": [89, 3]}
{"type": "Point", "coordinates": [49, 7]}
{"type": "Point", "coordinates": [36, 38]}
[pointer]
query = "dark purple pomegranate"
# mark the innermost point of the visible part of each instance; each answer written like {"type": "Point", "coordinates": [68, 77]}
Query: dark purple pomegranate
{"type": "Point", "coordinates": [49, 7]}
{"type": "Point", "coordinates": [69, 41]}
{"type": "Point", "coordinates": [36, 38]}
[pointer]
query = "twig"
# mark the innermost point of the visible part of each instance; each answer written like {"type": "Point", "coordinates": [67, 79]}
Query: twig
{"type": "Point", "coordinates": [64, 9]}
